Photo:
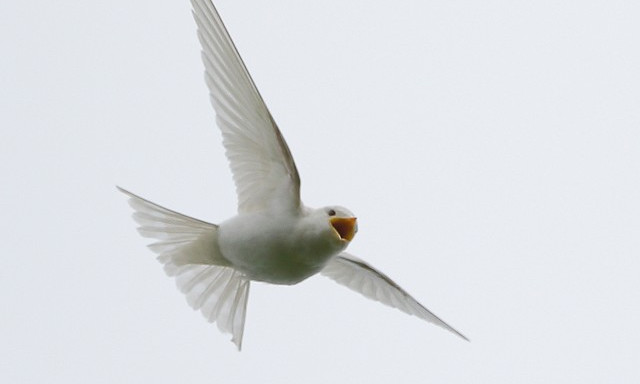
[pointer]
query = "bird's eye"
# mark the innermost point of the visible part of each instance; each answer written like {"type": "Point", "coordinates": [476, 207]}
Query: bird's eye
{"type": "Point", "coordinates": [331, 212]}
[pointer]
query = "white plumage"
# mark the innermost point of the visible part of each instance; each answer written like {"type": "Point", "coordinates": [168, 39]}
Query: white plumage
{"type": "Point", "coordinates": [274, 238]}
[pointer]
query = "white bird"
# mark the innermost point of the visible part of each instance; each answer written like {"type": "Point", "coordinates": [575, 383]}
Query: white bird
{"type": "Point", "coordinates": [274, 238]}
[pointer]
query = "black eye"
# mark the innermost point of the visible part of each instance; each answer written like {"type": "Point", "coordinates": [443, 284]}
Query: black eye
{"type": "Point", "coordinates": [331, 212]}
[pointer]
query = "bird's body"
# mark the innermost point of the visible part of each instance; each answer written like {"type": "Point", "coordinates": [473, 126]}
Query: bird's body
{"type": "Point", "coordinates": [278, 248]}
{"type": "Point", "coordinates": [274, 238]}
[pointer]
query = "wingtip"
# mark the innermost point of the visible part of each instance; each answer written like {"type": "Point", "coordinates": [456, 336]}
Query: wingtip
{"type": "Point", "coordinates": [454, 331]}
{"type": "Point", "coordinates": [119, 188]}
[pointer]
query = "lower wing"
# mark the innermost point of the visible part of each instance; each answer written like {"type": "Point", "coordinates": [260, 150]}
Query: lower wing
{"type": "Point", "coordinates": [361, 277]}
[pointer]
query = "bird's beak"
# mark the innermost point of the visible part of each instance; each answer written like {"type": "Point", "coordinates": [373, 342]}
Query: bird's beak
{"type": "Point", "coordinates": [346, 227]}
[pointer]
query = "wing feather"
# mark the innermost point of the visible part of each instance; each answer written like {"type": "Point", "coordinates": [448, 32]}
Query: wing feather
{"type": "Point", "coordinates": [263, 169]}
{"type": "Point", "coordinates": [361, 277]}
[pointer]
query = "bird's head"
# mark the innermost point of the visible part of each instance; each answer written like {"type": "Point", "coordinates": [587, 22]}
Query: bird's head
{"type": "Point", "coordinates": [342, 222]}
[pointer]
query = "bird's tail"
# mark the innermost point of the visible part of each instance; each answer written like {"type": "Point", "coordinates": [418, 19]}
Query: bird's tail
{"type": "Point", "coordinates": [188, 249]}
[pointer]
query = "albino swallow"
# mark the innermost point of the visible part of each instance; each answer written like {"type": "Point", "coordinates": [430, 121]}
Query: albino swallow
{"type": "Point", "coordinates": [274, 238]}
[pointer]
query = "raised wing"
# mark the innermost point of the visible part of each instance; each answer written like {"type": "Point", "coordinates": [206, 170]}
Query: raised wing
{"type": "Point", "coordinates": [263, 169]}
{"type": "Point", "coordinates": [359, 276]}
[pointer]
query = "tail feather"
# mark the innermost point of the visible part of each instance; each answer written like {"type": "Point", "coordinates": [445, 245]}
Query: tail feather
{"type": "Point", "coordinates": [188, 249]}
{"type": "Point", "coordinates": [219, 293]}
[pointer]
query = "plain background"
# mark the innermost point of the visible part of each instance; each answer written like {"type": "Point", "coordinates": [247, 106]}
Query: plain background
{"type": "Point", "coordinates": [490, 150]}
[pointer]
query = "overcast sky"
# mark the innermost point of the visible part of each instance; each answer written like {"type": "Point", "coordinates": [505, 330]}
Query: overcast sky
{"type": "Point", "coordinates": [490, 149]}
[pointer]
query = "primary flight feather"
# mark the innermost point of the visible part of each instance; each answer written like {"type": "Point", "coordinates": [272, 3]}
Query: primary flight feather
{"type": "Point", "coordinates": [274, 238]}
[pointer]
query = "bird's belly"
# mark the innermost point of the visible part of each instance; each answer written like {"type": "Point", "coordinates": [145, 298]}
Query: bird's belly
{"type": "Point", "coordinates": [276, 268]}
{"type": "Point", "coordinates": [270, 251]}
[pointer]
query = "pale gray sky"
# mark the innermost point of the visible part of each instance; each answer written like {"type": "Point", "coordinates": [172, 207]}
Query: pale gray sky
{"type": "Point", "coordinates": [491, 151]}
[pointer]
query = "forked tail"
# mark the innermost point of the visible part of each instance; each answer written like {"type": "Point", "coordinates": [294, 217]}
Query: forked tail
{"type": "Point", "coordinates": [188, 249]}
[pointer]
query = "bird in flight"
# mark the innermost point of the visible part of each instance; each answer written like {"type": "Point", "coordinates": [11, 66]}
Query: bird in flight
{"type": "Point", "coordinates": [274, 238]}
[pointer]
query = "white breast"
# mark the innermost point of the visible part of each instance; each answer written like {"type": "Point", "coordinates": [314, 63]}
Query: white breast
{"type": "Point", "coordinates": [276, 249]}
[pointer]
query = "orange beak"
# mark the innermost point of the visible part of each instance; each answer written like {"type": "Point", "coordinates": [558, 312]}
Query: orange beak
{"type": "Point", "coordinates": [346, 227]}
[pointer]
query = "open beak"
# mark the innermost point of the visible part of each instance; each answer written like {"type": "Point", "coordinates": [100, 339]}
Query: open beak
{"type": "Point", "coordinates": [346, 227]}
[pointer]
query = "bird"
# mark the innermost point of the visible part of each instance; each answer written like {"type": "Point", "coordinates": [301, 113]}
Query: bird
{"type": "Point", "coordinates": [274, 238]}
